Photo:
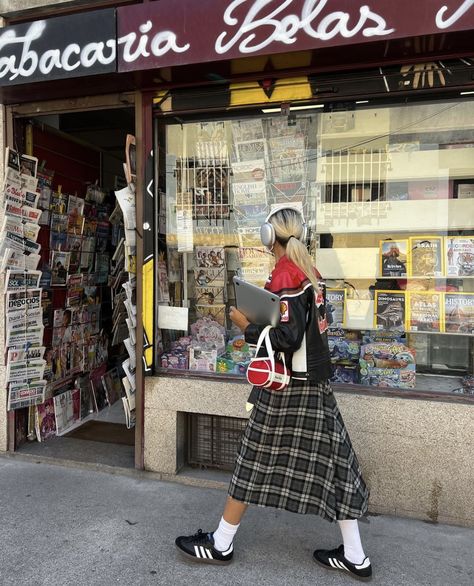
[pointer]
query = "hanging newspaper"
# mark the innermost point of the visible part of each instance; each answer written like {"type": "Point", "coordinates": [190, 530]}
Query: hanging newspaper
{"type": "Point", "coordinates": [25, 213]}
{"type": "Point", "coordinates": [22, 280]}
{"type": "Point", "coordinates": [21, 300]}
{"type": "Point", "coordinates": [15, 259]}
{"type": "Point", "coordinates": [26, 395]}
{"type": "Point", "coordinates": [21, 228]}
{"type": "Point", "coordinates": [22, 354]}
{"type": "Point", "coordinates": [25, 370]}
{"type": "Point", "coordinates": [31, 335]}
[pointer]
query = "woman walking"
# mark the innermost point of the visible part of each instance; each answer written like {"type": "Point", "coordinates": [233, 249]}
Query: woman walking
{"type": "Point", "coordinates": [295, 453]}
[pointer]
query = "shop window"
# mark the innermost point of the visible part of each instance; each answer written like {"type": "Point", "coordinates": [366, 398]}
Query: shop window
{"type": "Point", "coordinates": [388, 195]}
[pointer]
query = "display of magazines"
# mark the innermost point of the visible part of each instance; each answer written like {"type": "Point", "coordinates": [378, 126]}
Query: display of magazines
{"type": "Point", "coordinates": [57, 315]}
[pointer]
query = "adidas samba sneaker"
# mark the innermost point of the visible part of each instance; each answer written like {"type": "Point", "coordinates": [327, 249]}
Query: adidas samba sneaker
{"type": "Point", "coordinates": [200, 548]}
{"type": "Point", "coordinates": [333, 559]}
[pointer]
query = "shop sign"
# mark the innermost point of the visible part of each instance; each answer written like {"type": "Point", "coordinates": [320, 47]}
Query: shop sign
{"type": "Point", "coordinates": [166, 33]}
{"type": "Point", "coordinates": [58, 48]}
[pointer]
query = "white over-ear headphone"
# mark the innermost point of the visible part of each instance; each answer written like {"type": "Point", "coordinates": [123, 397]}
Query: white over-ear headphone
{"type": "Point", "coordinates": [267, 231]}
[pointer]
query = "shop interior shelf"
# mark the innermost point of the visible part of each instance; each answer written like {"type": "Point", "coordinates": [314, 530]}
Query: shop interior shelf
{"type": "Point", "coordinates": [415, 216]}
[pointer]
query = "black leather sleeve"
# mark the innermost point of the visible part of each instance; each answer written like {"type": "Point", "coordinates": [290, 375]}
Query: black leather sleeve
{"type": "Point", "coordinates": [286, 336]}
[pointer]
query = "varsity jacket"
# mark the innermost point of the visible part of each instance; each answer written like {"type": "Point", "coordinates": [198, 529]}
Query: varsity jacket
{"type": "Point", "coordinates": [302, 331]}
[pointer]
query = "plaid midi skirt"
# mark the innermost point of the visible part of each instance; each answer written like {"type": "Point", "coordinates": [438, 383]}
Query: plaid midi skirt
{"type": "Point", "coordinates": [296, 455]}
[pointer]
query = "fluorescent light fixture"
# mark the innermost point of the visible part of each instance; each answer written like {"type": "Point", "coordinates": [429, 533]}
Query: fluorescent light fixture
{"type": "Point", "coordinates": [292, 108]}
{"type": "Point", "coordinates": [362, 102]}
{"type": "Point", "coordinates": [467, 93]}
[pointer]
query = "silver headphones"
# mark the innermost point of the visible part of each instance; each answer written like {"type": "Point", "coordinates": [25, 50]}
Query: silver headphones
{"type": "Point", "coordinates": [267, 231]}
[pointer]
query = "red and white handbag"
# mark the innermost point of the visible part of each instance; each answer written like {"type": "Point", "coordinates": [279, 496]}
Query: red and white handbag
{"type": "Point", "coordinates": [266, 371]}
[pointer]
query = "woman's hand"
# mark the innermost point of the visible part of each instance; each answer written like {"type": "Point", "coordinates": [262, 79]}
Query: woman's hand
{"type": "Point", "coordinates": [238, 318]}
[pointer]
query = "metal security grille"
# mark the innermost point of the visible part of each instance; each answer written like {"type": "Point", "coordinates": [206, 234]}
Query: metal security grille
{"type": "Point", "coordinates": [213, 441]}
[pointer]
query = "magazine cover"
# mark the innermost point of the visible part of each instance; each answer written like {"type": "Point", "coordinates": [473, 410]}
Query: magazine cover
{"type": "Point", "coordinates": [459, 252]}
{"type": "Point", "coordinates": [425, 256]}
{"type": "Point", "coordinates": [45, 422]}
{"type": "Point", "coordinates": [393, 258]}
{"type": "Point", "coordinates": [99, 394]}
{"type": "Point", "coordinates": [459, 313]}
{"type": "Point", "coordinates": [163, 284]}
{"type": "Point", "coordinates": [67, 410]}
{"type": "Point", "coordinates": [288, 159]}
{"type": "Point", "coordinates": [424, 311]}
{"type": "Point", "coordinates": [215, 312]}
{"type": "Point", "coordinates": [112, 386]}
{"type": "Point", "coordinates": [75, 206]}
{"type": "Point", "coordinates": [210, 256]}
{"type": "Point", "coordinates": [335, 307]}
{"type": "Point", "coordinates": [390, 310]}
{"type": "Point", "coordinates": [213, 277]}
{"type": "Point", "coordinates": [209, 295]}
{"type": "Point", "coordinates": [250, 193]}
{"type": "Point", "coordinates": [59, 267]}
{"type": "Point", "coordinates": [87, 399]}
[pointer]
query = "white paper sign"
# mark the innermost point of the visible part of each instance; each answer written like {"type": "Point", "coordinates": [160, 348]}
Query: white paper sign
{"type": "Point", "coordinates": [173, 318]}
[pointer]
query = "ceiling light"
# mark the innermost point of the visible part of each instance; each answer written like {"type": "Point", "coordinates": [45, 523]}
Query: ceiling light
{"type": "Point", "coordinates": [292, 108]}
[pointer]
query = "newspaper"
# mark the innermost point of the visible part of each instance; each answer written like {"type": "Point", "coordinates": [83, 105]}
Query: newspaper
{"type": "Point", "coordinates": [20, 227]}
{"type": "Point", "coordinates": [26, 395]}
{"type": "Point", "coordinates": [25, 245]}
{"type": "Point", "coordinates": [22, 280]}
{"type": "Point", "coordinates": [126, 200]}
{"type": "Point", "coordinates": [22, 354]}
{"type": "Point", "coordinates": [15, 259]}
{"type": "Point", "coordinates": [23, 320]}
{"type": "Point", "coordinates": [31, 370]}
{"type": "Point", "coordinates": [20, 300]}
{"type": "Point", "coordinates": [25, 213]}
{"type": "Point", "coordinates": [32, 335]}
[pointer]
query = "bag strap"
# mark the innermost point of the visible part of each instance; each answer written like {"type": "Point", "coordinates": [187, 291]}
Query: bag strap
{"type": "Point", "coordinates": [265, 335]}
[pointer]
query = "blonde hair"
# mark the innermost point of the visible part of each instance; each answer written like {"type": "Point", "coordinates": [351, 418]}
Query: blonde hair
{"type": "Point", "coordinates": [289, 229]}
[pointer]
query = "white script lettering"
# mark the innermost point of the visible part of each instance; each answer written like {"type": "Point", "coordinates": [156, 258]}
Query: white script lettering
{"type": "Point", "coordinates": [284, 29]}
{"type": "Point", "coordinates": [461, 11]}
{"type": "Point", "coordinates": [161, 43]}
{"type": "Point", "coordinates": [30, 61]}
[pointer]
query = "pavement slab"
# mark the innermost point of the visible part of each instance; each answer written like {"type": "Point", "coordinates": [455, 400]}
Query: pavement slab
{"type": "Point", "coordinates": [65, 525]}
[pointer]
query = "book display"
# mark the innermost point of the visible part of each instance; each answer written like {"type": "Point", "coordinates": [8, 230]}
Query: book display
{"type": "Point", "coordinates": [390, 228]}
{"type": "Point", "coordinates": [69, 293]}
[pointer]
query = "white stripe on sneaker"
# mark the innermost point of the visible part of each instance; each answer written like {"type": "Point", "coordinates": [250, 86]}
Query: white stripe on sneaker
{"type": "Point", "coordinates": [338, 564]}
{"type": "Point", "coordinates": [333, 565]}
{"type": "Point", "coordinates": [344, 567]}
{"type": "Point", "coordinates": [196, 551]}
{"type": "Point", "coordinates": [208, 553]}
{"type": "Point", "coordinates": [203, 551]}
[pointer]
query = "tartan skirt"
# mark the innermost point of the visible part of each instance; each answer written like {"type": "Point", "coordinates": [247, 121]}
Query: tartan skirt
{"type": "Point", "coordinates": [296, 455]}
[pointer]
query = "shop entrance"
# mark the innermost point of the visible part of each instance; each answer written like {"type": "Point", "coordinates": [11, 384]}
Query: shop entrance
{"type": "Point", "coordinates": [84, 162]}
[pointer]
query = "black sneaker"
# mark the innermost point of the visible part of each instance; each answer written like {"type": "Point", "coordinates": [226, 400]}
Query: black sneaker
{"type": "Point", "coordinates": [333, 559]}
{"type": "Point", "coordinates": [200, 548]}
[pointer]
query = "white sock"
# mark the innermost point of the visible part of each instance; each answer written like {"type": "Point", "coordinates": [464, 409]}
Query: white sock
{"type": "Point", "coordinates": [224, 535]}
{"type": "Point", "coordinates": [353, 550]}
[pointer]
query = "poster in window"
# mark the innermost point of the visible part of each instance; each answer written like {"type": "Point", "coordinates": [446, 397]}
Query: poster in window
{"type": "Point", "coordinates": [459, 313]}
{"type": "Point", "coordinates": [210, 257]}
{"type": "Point", "coordinates": [459, 252]}
{"type": "Point", "coordinates": [335, 307]}
{"type": "Point", "coordinates": [246, 130]}
{"type": "Point", "coordinates": [424, 311]}
{"type": "Point", "coordinates": [390, 310]}
{"type": "Point", "coordinates": [393, 258]}
{"type": "Point", "coordinates": [425, 256]}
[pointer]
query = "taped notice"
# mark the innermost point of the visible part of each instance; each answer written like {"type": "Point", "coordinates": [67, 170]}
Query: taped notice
{"type": "Point", "coordinates": [173, 318]}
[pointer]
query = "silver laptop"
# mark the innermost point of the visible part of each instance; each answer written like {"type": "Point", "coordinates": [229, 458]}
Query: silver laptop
{"type": "Point", "coordinates": [259, 306]}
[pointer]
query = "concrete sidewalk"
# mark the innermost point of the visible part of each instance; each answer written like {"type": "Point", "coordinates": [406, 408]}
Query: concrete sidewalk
{"type": "Point", "coordinates": [65, 526]}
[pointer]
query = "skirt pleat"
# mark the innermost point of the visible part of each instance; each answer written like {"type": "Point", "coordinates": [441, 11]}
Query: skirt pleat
{"type": "Point", "coordinates": [296, 455]}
